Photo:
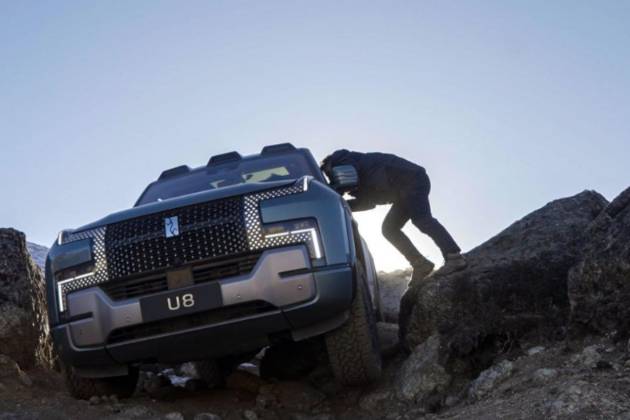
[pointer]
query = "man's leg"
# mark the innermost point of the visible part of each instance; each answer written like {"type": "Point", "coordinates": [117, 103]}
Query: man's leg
{"type": "Point", "coordinates": [431, 227]}
{"type": "Point", "coordinates": [421, 217]}
{"type": "Point", "coordinates": [395, 219]}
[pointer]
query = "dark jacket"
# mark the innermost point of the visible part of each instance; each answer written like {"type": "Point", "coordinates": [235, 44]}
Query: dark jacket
{"type": "Point", "coordinates": [383, 178]}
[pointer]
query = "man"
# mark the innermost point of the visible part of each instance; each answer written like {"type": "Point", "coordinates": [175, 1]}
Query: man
{"type": "Point", "coordinates": [389, 179]}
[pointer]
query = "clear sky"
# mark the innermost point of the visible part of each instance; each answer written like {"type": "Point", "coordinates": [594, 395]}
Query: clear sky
{"type": "Point", "coordinates": [508, 104]}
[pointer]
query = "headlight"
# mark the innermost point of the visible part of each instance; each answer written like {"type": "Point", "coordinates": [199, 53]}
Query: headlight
{"type": "Point", "coordinates": [277, 234]}
{"type": "Point", "coordinates": [271, 235]}
{"type": "Point", "coordinates": [69, 278]}
{"type": "Point", "coordinates": [297, 231]}
{"type": "Point", "coordinates": [78, 263]}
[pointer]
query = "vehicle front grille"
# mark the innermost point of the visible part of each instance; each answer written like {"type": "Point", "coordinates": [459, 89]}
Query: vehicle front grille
{"type": "Point", "coordinates": [189, 321]}
{"type": "Point", "coordinates": [126, 289]}
{"type": "Point", "coordinates": [215, 270]}
{"type": "Point", "coordinates": [139, 248]}
{"type": "Point", "coordinates": [207, 230]}
{"type": "Point", "coordinates": [202, 272]}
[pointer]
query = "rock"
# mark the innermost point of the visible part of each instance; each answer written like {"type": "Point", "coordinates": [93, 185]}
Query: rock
{"type": "Point", "coordinates": [391, 288]}
{"type": "Point", "coordinates": [514, 283]}
{"type": "Point", "coordinates": [251, 368]}
{"type": "Point", "coordinates": [94, 400]}
{"type": "Point", "coordinates": [207, 416]}
{"type": "Point", "coordinates": [371, 400]}
{"type": "Point", "coordinates": [535, 350]}
{"type": "Point", "coordinates": [250, 415]}
{"type": "Point", "coordinates": [136, 411]}
{"type": "Point", "coordinates": [188, 369]}
{"type": "Point", "coordinates": [23, 310]}
{"type": "Point", "coordinates": [12, 374]}
{"type": "Point", "coordinates": [544, 375]}
{"type": "Point", "coordinates": [174, 416]}
{"type": "Point", "coordinates": [489, 379]}
{"type": "Point", "coordinates": [567, 403]}
{"type": "Point", "coordinates": [584, 400]}
{"type": "Point", "coordinates": [451, 401]}
{"type": "Point", "coordinates": [598, 287]}
{"type": "Point", "coordinates": [388, 337]}
{"type": "Point", "coordinates": [589, 357]}
{"type": "Point", "coordinates": [422, 375]}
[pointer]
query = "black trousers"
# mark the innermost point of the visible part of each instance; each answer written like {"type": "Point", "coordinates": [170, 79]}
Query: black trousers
{"type": "Point", "coordinates": [412, 203]}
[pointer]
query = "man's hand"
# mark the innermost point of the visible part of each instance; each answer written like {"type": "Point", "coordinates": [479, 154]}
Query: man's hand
{"type": "Point", "coordinates": [360, 205]}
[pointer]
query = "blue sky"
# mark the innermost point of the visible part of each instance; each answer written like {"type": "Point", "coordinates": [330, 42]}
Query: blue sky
{"type": "Point", "coordinates": [507, 104]}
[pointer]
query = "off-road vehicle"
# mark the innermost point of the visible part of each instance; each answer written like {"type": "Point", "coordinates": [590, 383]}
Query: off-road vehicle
{"type": "Point", "coordinates": [212, 264]}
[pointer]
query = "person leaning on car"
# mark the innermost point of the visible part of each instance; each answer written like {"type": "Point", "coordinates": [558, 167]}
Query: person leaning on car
{"type": "Point", "coordinates": [389, 179]}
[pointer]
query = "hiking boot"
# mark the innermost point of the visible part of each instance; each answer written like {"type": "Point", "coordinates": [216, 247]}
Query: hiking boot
{"type": "Point", "coordinates": [421, 269]}
{"type": "Point", "coordinates": [453, 262]}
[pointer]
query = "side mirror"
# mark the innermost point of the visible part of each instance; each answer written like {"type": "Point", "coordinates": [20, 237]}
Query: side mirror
{"type": "Point", "coordinates": [344, 178]}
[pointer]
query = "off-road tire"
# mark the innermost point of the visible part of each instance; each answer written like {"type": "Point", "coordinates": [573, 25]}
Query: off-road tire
{"type": "Point", "coordinates": [84, 388]}
{"type": "Point", "coordinates": [211, 372]}
{"type": "Point", "coordinates": [353, 348]}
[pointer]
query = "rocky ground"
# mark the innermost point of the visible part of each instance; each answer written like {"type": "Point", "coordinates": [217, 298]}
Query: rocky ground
{"type": "Point", "coordinates": [536, 327]}
{"type": "Point", "coordinates": [581, 380]}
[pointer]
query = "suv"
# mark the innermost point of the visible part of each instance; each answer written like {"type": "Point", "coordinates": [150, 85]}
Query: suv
{"type": "Point", "coordinates": [211, 265]}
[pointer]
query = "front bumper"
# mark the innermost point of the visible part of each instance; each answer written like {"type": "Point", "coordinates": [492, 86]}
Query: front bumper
{"type": "Point", "coordinates": [300, 303]}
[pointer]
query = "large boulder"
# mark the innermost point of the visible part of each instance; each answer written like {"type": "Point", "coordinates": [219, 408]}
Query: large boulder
{"type": "Point", "coordinates": [599, 285]}
{"type": "Point", "coordinates": [422, 375]}
{"type": "Point", "coordinates": [24, 335]}
{"type": "Point", "coordinates": [515, 283]}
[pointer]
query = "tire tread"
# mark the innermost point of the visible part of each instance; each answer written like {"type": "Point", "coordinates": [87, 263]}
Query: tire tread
{"type": "Point", "coordinates": [353, 348]}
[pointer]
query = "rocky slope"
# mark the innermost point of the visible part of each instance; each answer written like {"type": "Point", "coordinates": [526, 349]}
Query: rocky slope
{"type": "Point", "coordinates": [515, 285]}
{"type": "Point", "coordinates": [599, 286]}
{"type": "Point", "coordinates": [536, 326]}
{"type": "Point", "coordinates": [38, 253]}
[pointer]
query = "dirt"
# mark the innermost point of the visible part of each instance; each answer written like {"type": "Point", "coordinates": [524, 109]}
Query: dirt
{"type": "Point", "coordinates": [580, 380]}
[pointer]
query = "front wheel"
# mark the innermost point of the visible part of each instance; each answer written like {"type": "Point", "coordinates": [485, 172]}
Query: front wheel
{"type": "Point", "coordinates": [353, 348]}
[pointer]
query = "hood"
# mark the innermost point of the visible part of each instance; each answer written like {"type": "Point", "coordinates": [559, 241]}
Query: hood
{"type": "Point", "coordinates": [183, 201]}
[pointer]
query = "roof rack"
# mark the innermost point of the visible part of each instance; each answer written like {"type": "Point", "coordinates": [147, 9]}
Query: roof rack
{"type": "Point", "coordinates": [176, 171]}
{"type": "Point", "coordinates": [278, 148]}
{"type": "Point", "coordinates": [224, 158]}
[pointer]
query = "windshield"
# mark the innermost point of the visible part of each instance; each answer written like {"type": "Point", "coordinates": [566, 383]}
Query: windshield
{"type": "Point", "coordinates": [246, 171]}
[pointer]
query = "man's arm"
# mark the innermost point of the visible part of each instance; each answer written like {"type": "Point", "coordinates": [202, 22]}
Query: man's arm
{"type": "Point", "coordinates": [357, 204]}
